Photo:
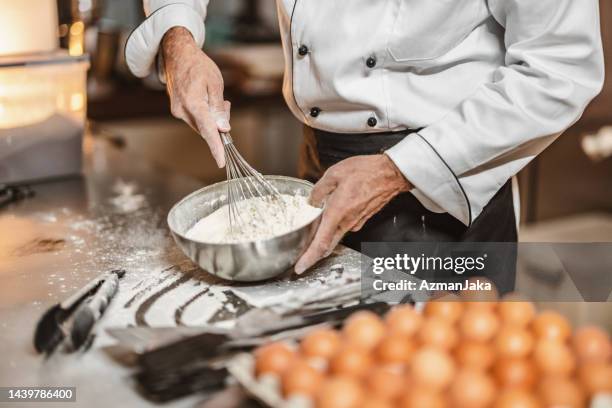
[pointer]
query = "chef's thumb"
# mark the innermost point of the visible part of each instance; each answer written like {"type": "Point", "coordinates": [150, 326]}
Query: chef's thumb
{"type": "Point", "coordinates": [208, 129]}
{"type": "Point", "coordinates": [321, 190]}
{"type": "Point", "coordinates": [219, 109]}
{"type": "Point", "coordinates": [222, 117]}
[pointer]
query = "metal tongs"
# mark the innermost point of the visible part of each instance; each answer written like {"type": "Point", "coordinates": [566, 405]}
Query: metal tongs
{"type": "Point", "coordinates": [12, 194]}
{"type": "Point", "coordinates": [76, 316]}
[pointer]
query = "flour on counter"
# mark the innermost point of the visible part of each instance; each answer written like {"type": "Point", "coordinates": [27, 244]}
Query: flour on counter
{"type": "Point", "coordinates": [126, 200]}
{"type": "Point", "coordinates": [259, 219]}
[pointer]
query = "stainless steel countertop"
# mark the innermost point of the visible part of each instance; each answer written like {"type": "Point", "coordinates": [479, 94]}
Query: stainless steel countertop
{"type": "Point", "coordinates": [56, 241]}
{"type": "Point", "coordinates": [113, 216]}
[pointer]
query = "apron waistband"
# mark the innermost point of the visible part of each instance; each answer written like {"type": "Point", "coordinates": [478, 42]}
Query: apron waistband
{"type": "Point", "coordinates": [322, 149]}
{"type": "Point", "coordinates": [339, 146]}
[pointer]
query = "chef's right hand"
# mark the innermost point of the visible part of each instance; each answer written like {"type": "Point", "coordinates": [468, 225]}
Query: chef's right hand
{"type": "Point", "coordinates": [195, 87]}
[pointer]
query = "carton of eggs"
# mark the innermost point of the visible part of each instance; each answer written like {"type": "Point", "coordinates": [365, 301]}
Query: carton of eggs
{"type": "Point", "coordinates": [451, 354]}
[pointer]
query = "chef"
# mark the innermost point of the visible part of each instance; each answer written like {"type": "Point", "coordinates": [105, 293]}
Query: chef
{"type": "Point", "coordinates": [417, 113]}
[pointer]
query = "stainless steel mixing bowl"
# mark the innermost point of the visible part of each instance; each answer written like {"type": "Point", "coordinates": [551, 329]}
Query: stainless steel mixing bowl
{"type": "Point", "coordinates": [245, 261]}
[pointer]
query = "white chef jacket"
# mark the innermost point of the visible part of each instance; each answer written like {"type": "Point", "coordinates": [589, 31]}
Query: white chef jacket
{"type": "Point", "coordinates": [490, 83]}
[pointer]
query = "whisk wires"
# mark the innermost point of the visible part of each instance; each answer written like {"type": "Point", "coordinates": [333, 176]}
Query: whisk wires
{"type": "Point", "coordinates": [245, 183]}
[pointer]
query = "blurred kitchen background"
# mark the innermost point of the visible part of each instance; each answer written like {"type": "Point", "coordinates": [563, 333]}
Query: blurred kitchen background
{"type": "Point", "coordinates": [567, 190]}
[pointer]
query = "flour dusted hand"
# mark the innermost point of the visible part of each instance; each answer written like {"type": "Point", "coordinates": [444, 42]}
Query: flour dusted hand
{"type": "Point", "coordinates": [195, 88]}
{"type": "Point", "coordinates": [260, 219]}
{"type": "Point", "coordinates": [353, 191]}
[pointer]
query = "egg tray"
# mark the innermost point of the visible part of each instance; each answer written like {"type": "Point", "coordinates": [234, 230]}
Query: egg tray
{"type": "Point", "coordinates": [266, 389]}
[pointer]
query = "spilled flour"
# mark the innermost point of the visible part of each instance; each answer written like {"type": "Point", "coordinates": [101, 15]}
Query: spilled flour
{"type": "Point", "coordinates": [126, 200]}
{"type": "Point", "coordinates": [259, 219]}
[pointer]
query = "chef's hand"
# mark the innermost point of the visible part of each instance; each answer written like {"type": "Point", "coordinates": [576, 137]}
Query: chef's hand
{"type": "Point", "coordinates": [195, 87]}
{"type": "Point", "coordinates": [353, 190]}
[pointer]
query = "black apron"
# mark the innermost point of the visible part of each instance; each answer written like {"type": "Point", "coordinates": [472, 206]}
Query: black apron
{"type": "Point", "coordinates": [404, 218]}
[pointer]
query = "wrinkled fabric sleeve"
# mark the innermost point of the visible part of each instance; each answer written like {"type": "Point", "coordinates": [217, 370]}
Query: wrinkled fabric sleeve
{"type": "Point", "coordinates": [553, 68]}
{"type": "Point", "coordinates": [142, 46]}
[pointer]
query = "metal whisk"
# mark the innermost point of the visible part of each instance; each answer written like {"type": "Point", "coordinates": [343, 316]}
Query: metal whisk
{"type": "Point", "coordinates": [244, 183]}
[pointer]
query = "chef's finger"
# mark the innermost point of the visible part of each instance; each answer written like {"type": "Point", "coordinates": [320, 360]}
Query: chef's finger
{"type": "Point", "coordinates": [187, 118]}
{"type": "Point", "coordinates": [227, 108]}
{"type": "Point", "coordinates": [217, 106]}
{"type": "Point", "coordinates": [372, 206]}
{"type": "Point", "coordinates": [322, 243]}
{"type": "Point", "coordinates": [335, 241]}
{"type": "Point", "coordinates": [316, 250]}
{"type": "Point", "coordinates": [207, 127]}
{"type": "Point", "coordinates": [320, 248]}
{"type": "Point", "coordinates": [322, 189]}
{"type": "Point", "coordinates": [367, 214]}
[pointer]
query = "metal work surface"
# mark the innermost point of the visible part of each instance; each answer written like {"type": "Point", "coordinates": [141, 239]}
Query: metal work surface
{"type": "Point", "coordinates": [115, 217]}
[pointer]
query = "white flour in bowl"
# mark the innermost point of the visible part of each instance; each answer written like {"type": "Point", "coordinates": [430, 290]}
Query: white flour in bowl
{"type": "Point", "coordinates": [259, 219]}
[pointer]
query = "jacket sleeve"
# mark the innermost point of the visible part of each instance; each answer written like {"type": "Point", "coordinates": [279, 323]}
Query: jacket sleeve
{"type": "Point", "coordinates": [553, 68]}
{"type": "Point", "coordinates": [142, 45]}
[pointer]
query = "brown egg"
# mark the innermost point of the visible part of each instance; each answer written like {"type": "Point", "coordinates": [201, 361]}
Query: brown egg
{"type": "Point", "coordinates": [322, 343]}
{"type": "Point", "coordinates": [351, 361]}
{"type": "Point", "coordinates": [404, 320]}
{"type": "Point", "coordinates": [554, 358]}
{"type": "Point", "coordinates": [422, 397]}
{"type": "Point", "coordinates": [432, 367]}
{"type": "Point", "coordinates": [300, 378]}
{"type": "Point", "coordinates": [448, 308]}
{"type": "Point", "coordinates": [515, 373]}
{"type": "Point", "coordinates": [373, 401]}
{"type": "Point", "coordinates": [561, 392]}
{"type": "Point", "coordinates": [340, 392]}
{"type": "Point", "coordinates": [364, 329]}
{"type": "Point", "coordinates": [596, 377]}
{"type": "Point", "coordinates": [551, 326]}
{"type": "Point", "coordinates": [386, 382]}
{"type": "Point", "coordinates": [592, 344]}
{"type": "Point", "coordinates": [476, 355]}
{"type": "Point", "coordinates": [514, 311]}
{"type": "Point", "coordinates": [472, 389]}
{"type": "Point", "coordinates": [478, 324]}
{"type": "Point", "coordinates": [514, 341]}
{"type": "Point", "coordinates": [516, 398]}
{"type": "Point", "coordinates": [273, 358]}
{"type": "Point", "coordinates": [438, 332]}
{"type": "Point", "coordinates": [395, 349]}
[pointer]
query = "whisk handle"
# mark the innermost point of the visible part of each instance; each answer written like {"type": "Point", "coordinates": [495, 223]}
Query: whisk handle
{"type": "Point", "coordinates": [226, 138]}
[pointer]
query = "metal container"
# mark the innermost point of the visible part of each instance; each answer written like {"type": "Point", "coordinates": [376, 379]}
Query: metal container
{"type": "Point", "coordinates": [244, 261]}
{"type": "Point", "coordinates": [42, 116]}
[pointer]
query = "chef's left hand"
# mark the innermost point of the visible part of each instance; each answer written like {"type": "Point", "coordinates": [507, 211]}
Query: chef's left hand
{"type": "Point", "coordinates": [353, 190]}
